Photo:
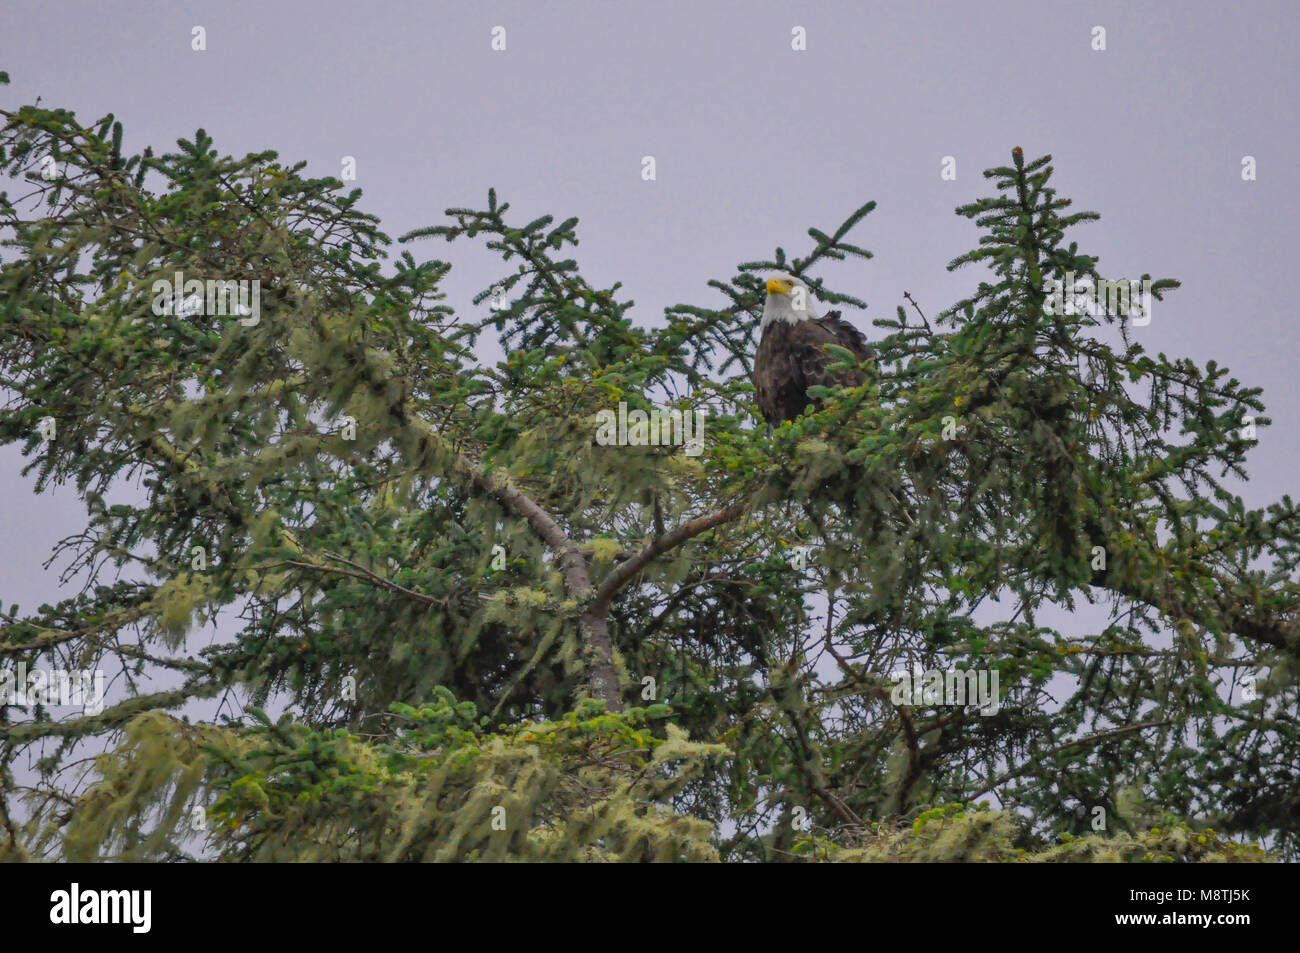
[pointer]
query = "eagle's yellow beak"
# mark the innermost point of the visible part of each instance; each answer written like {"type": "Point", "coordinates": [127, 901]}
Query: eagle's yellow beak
{"type": "Point", "coordinates": [779, 286]}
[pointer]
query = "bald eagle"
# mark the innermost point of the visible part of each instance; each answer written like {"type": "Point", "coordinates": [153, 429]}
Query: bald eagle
{"type": "Point", "coordinates": [792, 353]}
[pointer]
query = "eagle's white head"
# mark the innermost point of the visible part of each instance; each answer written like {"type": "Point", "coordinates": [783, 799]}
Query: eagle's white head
{"type": "Point", "coordinates": [788, 299]}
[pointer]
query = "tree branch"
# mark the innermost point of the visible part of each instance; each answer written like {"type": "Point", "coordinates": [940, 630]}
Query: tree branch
{"type": "Point", "coordinates": [620, 575]}
{"type": "Point", "coordinates": [593, 626]}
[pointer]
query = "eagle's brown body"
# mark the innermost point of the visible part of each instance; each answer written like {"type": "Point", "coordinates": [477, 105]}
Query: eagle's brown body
{"type": "Point", "coordinates": [792, 357]}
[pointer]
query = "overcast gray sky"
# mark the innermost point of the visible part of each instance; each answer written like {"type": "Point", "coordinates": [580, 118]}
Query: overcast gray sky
{"type": "Point", "coordinates": [753, 141]}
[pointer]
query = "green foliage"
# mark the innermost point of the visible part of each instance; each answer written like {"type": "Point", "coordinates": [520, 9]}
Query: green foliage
{"type": "Point", "coordinates": [432, 568]}
{"type": "Point", "coordinates": [968, 834]}
{"type": "Point", "coordinates": [590, 786]}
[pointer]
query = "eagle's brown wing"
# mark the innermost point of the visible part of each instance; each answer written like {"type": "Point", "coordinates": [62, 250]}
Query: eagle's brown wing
{"type": "Point", "coordinates": [793, 357]}
{"type": "Point", "coordinates": [815, 359]}
{"type": "Point", "coordinates": [847, 336]}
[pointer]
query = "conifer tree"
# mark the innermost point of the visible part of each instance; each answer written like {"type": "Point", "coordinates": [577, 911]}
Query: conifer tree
{"type": "Point", "coordinates": [485, 634]}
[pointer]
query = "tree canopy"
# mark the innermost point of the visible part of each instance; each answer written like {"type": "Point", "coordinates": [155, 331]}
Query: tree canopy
{"type": "Point", "coordinates": [457, 626]}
